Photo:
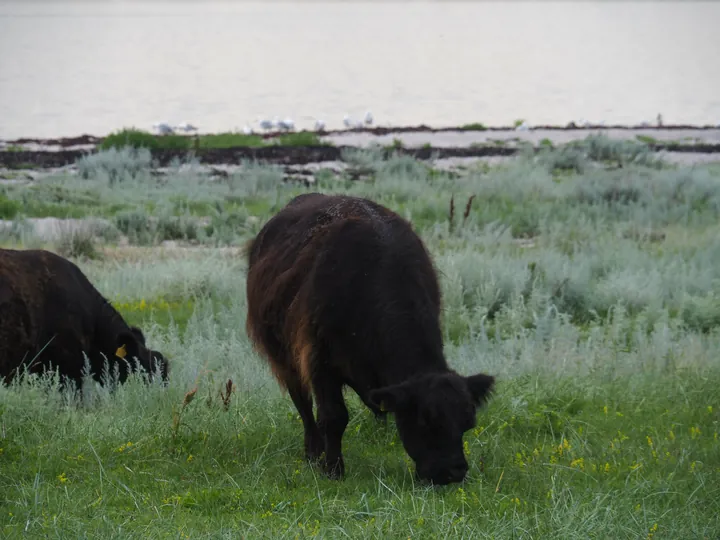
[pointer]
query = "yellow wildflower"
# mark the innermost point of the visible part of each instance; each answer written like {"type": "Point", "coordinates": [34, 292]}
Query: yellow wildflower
{"type": "Point", "coordinates": [124, 447]}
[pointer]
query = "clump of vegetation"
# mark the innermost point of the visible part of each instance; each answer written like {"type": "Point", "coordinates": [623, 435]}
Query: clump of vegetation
{"type": "Point", "coordinates": [8, 208]}
{"type": "Point", "coordinates": [15, 148]}
{"type": "Point", "coordinates": [229, 140]}
{"type": "Point", "coordinates": [226, 226]}
{"type": "Point", "coordinates": [136, 138]}
{"type": "Point", "coordinates": [363, 158]}
{"type": "Point", "coordinates": [475, 126]}
{"type": "Point", "coordinates": [144, 229]}
{"type": "Point", "coordinates": [576, 156]}
{"type": "Point", "coordinates": [77, 243]}
{"type": "Point", "coordinates": [116, 164]}
{"type": "Point", "coordinates": [17, 231]}
{"type": "Point", "coordinates": [646, 139]}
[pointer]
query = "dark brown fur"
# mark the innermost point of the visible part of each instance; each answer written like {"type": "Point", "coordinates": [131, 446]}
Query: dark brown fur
{"type": "Point", "coordinates": [341, 291]}
{"type": "Point", "coordinates": [50, 314]}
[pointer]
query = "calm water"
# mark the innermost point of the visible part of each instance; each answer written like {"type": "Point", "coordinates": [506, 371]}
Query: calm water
{"type": "Point", "coordinates": [70, 67]}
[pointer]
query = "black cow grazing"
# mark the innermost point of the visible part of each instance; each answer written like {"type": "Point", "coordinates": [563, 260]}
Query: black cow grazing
{"type": "Point", "coordinates": [50, 314]}
{"type": "Point", "coordinates": [341, 291]}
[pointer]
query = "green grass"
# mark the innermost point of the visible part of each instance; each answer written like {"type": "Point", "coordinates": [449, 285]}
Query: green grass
{"type": "Point", "coordinates": [175, 312]}
{"type": "Point", "coordinates": [547, 143]}
{"type": "Point", "coordinates": [590, 291]}
{"type": "Point", "coordinates": [15, 148]}
{"type": "Point", "coordinates": [135, 138]}
{"type": "Point", "coordinates": [475, 126]}
{"type": "Point", "coordinates": [229, 140]}
{"type": "Point", "coordinates": [8, 208]}
{"type": "Point", "coordinates": [549, 458]}
{"type": "Point", "coordinates": [647, 139]}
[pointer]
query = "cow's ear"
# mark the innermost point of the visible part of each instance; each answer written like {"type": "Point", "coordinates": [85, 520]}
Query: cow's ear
{"type": "Point", "coordinates": [391, 398]}
{"type": "Point", "coordinates": [128, 346]}
{"type": "Point", "coordinates": [480, 386]}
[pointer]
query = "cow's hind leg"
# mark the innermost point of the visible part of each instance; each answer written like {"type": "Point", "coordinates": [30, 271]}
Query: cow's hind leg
{"type": "Point", "coordinates": [332, 420]}
{"type": "Point", "coordinates": [285, 373]}
{"type": "Point", "coordinates": [304, 404]}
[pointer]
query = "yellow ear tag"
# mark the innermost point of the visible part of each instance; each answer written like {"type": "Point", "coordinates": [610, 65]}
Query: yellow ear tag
{"type": "Point", "coordinates": [121, 352]}
{"type": "Point", "coordinates": [382, 407]}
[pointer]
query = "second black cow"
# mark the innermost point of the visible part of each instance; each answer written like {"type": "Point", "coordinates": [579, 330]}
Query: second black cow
{"type": "Point", "coordinates": [50, 314]}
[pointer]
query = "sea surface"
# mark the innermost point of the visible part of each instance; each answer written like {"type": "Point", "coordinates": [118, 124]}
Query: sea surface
{"type": "Point", "coordinates": [69, 67]}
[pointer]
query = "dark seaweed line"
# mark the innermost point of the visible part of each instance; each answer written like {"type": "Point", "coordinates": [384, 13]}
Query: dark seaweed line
{"type": "Point", "coordinates": [296, 155]}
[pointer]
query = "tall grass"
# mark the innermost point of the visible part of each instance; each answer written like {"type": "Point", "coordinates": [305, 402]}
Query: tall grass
{"type": "Point", "coordinates": [599, 314]}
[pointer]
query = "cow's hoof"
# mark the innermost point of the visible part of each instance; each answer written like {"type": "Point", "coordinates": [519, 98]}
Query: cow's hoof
{"type": "Point", "coordinates": [335, 471]}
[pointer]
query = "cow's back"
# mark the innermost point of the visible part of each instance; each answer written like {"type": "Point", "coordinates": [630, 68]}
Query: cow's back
{"type": "Point", "coordinates": [374, 297]}
{"type": "Point", "coordinates": [41, 295]}
{"type": "Point", "coordinates": [283, 254]}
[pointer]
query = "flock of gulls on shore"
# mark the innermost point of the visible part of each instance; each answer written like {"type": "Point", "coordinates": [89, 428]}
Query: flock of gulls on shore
{"type": "Point", "coordinates": [287, 124]}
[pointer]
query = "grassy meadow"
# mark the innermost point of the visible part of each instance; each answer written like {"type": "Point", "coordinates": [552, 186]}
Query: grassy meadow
{"type": "Point", "coordinates": [586, 278]}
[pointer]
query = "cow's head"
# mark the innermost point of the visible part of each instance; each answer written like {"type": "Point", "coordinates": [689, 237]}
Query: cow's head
{"type": "Point", "coordinates": [432, 412]}
{"type": "Point", "coordinates": [131, 344]}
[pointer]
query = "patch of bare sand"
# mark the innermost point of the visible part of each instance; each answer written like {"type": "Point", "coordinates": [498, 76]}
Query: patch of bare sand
{"type": "Point", "coordinates": [455, 139]}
